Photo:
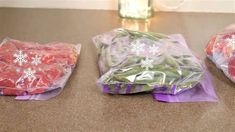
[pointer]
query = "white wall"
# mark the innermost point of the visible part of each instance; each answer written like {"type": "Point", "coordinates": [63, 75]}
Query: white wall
{"type": "Point", "coordinates": [200, 5]}
{"type": "Point", "coordinates": [188, 6]}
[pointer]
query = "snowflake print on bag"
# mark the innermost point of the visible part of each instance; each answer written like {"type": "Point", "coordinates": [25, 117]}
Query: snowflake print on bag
{"type": "Point", "coordinates": [140, 49]}
{"type": "Point", "coordinates": [29, 74]}
{"type": "Point", "coordinates": [137, 47]}
{"type": "Point", "coordinates": [147, 63]}
{"type": "Point", "coordinates": [154, 50]}
{"type": "Point", "coordinates": [231, 41]}
{"type": "Point", "coordinates": [36, 60]}
{"type": "Point", "coordinates": [20, 58]}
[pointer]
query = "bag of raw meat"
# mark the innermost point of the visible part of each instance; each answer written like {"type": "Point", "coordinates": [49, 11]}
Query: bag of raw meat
{"type": "Point", "coordinates": [33, 71]}
{"type": "Point", "coordinates": [133, 62]}
{"type": "Point", "coordinates": [221, 50]}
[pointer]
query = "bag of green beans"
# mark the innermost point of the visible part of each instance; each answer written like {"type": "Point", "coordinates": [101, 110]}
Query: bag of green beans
{"type": "Point", "coordinates": [133, 62]}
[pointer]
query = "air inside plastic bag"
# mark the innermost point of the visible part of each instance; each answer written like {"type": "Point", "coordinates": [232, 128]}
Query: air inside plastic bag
{"type": "Point", "coordinates": [133, 62]}
{"type": "Point", "coordinates": [33, 71]}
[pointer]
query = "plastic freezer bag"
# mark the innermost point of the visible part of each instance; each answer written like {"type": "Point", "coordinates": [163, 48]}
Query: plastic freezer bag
{"type": "Point", "coordinates": [133, 62]}
{"type": "Point", "coordinates": [35, 71]}
{"type": "Point", "coordinates": [221, 50]}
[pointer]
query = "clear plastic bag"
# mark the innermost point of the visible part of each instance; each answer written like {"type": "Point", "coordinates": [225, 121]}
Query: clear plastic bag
{"type": "Point", "coordinates": [35, 71]}
{"type": "Point", "coordinates": [133, 62]}
{"type": "Point", "coordinates": [221, 50]}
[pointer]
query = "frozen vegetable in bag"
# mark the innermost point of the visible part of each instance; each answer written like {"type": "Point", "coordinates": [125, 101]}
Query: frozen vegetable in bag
{"type": "Point", "coordinates": [35, 71]}
{"type": "Point", "coordinates": [133, 62]}
{"type": "Point", "coordinates": [221, 50]}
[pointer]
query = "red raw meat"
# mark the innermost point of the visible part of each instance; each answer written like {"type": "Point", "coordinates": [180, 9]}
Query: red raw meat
{"type": "Point", "coordinates": [221, 49]}
{"type": "Point", "coordinates": [231, 67]}
{"type": "Point", "coordinates": [32, 68]}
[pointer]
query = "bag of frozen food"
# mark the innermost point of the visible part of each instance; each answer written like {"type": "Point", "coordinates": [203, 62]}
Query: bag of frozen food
{"type": "Point", "coordinates": [221, 50]}
{"type": "Point", "coordinates": [35, 71]}
{"type": "Point", "coordinates": [133, 62]}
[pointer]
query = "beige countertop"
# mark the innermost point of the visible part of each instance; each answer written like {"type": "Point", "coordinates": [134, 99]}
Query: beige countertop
{"type": "Point", "coordinates": [82, 107]}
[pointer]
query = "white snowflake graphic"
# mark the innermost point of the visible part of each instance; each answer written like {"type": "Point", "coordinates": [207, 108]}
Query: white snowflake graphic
{"type": "Point", "coordinates": [147, 63]}
{"type": "Point", "coordinates": [36, 60]}
{"type": "Point", "coordinates": [137, 47]}
{"type": "Point", "coordinates": [29, 74]}
{"type": "Point", "coordinates": [231, 41]}
{"type": "Point", "coordinates": [20, 58]}
{"type": "Point", "coordinates": [154, 50]}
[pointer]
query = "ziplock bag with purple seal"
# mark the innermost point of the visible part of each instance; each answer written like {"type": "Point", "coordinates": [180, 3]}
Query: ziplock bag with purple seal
{"type": "Point", "coordinates": [221, 50]}
{"type": "Point", "coordinates": [33, 71]}
{"type": "Point", "coordinates": [133, 62]}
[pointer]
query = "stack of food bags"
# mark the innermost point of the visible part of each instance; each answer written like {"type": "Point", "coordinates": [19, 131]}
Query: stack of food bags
{"type": "Point", "coordinates": [221, 50]}
{"type": "Point", "coordinates": [35, 71]}
{"type": "Point", "coordinates": [133, 62]}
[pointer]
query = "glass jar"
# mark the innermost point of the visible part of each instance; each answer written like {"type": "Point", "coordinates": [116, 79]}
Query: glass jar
{"type": "Point", "coordinates": [136, 25]}
{"type": "Point", "coordinates": [135, 9]}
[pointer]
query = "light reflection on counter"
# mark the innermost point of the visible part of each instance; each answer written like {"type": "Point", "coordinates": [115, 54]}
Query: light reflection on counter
{"type": "Point", "coordinates": [136, 25]}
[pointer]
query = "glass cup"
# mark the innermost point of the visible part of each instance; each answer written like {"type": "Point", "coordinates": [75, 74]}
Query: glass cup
{"type": "Point", "coordinates": [135, 9]}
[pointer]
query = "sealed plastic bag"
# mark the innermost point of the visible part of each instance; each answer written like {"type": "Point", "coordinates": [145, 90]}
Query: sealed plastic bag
{"type": "Point", "coordinates": [133, 62]}
{"type": "Point", "coordinates": [34, 71]}
{"type": "Point", "coordinates": [221, 50]}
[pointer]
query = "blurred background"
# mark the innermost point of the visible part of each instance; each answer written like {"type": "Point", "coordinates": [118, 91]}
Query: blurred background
{"type": "Point", "coordinates": [225, 6]}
